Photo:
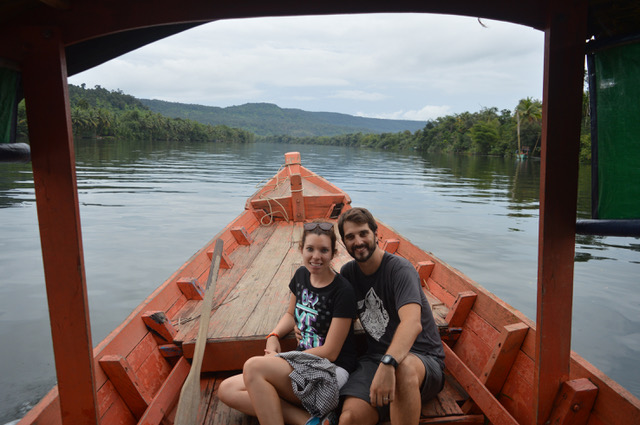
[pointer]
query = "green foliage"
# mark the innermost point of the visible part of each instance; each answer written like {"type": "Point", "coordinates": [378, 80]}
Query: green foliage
{"type": "Point", "coordinates": [99, 113]}
{"type": "Point", "coordinates": [487, 132]}
{"type": "Point", "coordinates": [485, 135]}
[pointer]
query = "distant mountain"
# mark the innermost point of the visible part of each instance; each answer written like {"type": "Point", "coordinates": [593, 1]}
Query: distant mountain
{"type": "Point", "coordinates": [266, 119]}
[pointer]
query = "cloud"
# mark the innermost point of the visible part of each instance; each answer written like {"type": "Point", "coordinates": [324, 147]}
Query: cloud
{"type": "Point", "coordinates": [358, 95]}
{"type": "Point", "coordinates": [427, 113]}
{"type": "Point", "coordinates": [384, 65]}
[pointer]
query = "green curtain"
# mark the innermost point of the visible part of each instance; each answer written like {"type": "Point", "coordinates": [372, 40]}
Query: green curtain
{"type": "Point", "coordinates": [8, 86]}
{"type": "Point", "coordinates": [617, 94]}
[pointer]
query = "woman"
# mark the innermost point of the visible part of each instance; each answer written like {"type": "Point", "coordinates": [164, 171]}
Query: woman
{"type": "Point", "coordinates": [274, 387]}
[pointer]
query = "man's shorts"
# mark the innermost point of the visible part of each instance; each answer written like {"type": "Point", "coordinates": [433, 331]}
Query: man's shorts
{"type": "Point", "coordinates": [359, 382]}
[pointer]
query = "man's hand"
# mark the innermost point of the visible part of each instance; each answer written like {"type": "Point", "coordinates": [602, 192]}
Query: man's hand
{"type": "Point", "coordinates": [383, 386]}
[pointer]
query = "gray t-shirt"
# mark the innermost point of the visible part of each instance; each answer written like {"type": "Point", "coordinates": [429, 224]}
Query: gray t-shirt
{"type": "Point", "coordinates": [379, 297]}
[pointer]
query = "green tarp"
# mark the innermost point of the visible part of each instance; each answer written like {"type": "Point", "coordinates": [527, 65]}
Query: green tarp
{"type": "Point", "coordinates": [617, 149]}
{"type": "Point", "coordinates": [8, 85]}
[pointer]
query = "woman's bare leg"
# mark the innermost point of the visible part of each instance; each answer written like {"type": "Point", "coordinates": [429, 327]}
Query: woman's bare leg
{"type": "Point", "coordinates": [269, 387]}
{"type": "Point", "coordinates": [356, 411]}
{"type": "Point", "coordinates": [233, 393]}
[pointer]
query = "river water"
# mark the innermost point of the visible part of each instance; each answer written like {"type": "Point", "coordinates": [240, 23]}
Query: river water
{"type": "Point", "coordinates": [147, 207]}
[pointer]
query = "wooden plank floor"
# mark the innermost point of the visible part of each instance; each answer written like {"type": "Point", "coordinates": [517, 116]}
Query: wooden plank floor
{"type": "Point", "coordinates": [253, 295]}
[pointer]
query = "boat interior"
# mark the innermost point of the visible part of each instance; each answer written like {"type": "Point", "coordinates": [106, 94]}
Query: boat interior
{"type": "Point", "coordinates": [504, 368]}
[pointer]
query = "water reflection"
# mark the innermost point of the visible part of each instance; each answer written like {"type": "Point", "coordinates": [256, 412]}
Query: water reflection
{"type": "Point", "coordinates": [147, 206]}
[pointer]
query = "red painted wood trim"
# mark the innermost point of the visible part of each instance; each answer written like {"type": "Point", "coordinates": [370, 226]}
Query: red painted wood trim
{"type": "Point", "coordinates": [225, 261]}
{"type": "Point", "coordinates": [170, 350]}
{"type": "Point", "coordinates": [291, 158]}
{"type": "Point", "coordinates": [461, 308]}
{"type": "Point", "coordinates": [231, 353]}
{"type": "Point", "coordinates": [190, 287]}
{"type": "Point", "coordinates": [391, 245]}
{"type": "Point", "coordinates": [457, 420]}
{"type": "Point", "coordinates": [126, 382]}
{"type": "Point", "coordinates": [497, 369]}
{"type": "Point", "coordinates": [160, 326]}
{"type": "Point", "coordinates": [504, 354]}
{"type": "Point", "coordinates": [565, 34]}
{"type": "Point", "coordinates": [297, 198]}
{"type": "Point", "coordinates": [53, 160]}
{"type": "Point", "coordinates": [490, 406]}
{"type": "Point", "coordinates": [424, 271]}
{"type": "Point", "coordinates": [167, 396]}
{"type": "Point", "coordinates": [574, 403]}
{"type": "Point", "coordinates": [241, 235]}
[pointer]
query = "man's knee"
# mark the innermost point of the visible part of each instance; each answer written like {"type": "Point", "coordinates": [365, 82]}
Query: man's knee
{"type": "Point", "coordinates": [409, 375]}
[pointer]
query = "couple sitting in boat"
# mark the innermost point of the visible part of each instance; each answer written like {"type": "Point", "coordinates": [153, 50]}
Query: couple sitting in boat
{"type": "Point", "coordinates": [404, 362]}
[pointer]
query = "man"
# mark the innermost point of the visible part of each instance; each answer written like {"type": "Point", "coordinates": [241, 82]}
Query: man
{"type": "Point", "coordinates": [404, 362]}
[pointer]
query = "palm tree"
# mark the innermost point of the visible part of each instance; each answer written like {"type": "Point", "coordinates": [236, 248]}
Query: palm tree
{"type": "Point", "coordinates": [527, 110]}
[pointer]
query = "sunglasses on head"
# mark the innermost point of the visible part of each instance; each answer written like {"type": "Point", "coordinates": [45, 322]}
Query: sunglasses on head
{"type": "Point", "coordinates": [323, 226]}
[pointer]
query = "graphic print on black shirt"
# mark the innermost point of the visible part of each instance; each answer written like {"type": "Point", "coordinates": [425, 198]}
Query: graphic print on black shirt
{"type": "Point", "coordinates": [306, 317]}
{"type": "Point", "coordinates": [316, 307]}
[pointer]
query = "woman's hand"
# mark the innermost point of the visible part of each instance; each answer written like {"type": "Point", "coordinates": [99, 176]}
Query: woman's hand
{"type": "Point", "coordinates": [273, 346]}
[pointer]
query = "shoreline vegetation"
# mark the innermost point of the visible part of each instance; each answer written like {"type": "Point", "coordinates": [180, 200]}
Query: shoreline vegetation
{"type": "Point", "coordinates": [102, 114]}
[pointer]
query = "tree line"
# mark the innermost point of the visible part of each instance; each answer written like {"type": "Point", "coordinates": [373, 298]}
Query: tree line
{"type": "Point", "coordinates": [100, 113]}
{"type": "Point", "coordinates": [487, 132]}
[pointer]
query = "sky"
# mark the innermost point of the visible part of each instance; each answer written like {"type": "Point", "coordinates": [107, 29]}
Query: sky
{"type": "Point", "coordinates": [394, 66]}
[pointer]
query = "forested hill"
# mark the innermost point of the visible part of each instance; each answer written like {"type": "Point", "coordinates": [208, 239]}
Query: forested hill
{"type": "Point", "coordinates": [266, 119]}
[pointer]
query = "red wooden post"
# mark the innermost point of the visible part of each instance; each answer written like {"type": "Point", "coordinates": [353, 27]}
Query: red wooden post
{"type": "Point", "coordinates": [565, 36]}
{"type": "Point", "coordinates": [44, 76]}
{"type": "Point", "coordinates": [297, 198]}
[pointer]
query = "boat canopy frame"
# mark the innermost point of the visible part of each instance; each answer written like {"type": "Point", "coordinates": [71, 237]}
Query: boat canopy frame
{"type": "Point", "coordinates": [38, 37]}
{"type": "Point", "coordinates": [614, 87]}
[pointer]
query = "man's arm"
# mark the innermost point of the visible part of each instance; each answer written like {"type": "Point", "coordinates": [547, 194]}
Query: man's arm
{"type": "Point", "coordinates": [384, 381]}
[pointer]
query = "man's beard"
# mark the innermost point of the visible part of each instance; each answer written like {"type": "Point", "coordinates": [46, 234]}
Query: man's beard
{"type": "Point", "coordinates": [371, 249]}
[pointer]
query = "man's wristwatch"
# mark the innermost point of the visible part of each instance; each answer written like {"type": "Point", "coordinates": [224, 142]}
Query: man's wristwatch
{"type": "Point", "coordinates": [389, 360]}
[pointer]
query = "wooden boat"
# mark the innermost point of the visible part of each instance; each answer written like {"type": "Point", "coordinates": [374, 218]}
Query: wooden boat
{"type": "Point", "coordinates": [504, 368]}
{"type": "Point", "coordinates": [141, 366]}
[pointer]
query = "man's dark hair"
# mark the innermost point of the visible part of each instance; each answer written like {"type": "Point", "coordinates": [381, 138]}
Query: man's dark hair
{"type": "Point", "coordinates": [359, 216]}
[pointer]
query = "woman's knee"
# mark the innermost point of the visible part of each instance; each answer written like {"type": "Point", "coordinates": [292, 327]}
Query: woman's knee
{"type": "Point", "coordinates": [357, 412]}
{"type": "Point", "coordinates": [252, 366]}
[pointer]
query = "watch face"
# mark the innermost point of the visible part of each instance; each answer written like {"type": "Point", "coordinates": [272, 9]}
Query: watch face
{"type": "Point", "coordinates": [389, 360]}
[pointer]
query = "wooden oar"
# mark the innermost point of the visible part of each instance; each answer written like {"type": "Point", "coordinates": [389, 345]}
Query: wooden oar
{"type": "Point", "coordinates": [190, 394]}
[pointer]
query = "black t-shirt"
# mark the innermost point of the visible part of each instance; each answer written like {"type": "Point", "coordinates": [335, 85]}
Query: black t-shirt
{"type": "Point", "coordinates": [379, 297]}
{"type": "Point", "coordinates": [315, 307]}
